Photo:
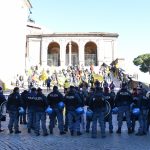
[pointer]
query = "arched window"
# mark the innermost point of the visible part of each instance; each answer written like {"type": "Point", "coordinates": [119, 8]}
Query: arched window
{"type": "Point", "coordinates": [90, 54]}
{"type": "Point", "coordinates": [53, 57]}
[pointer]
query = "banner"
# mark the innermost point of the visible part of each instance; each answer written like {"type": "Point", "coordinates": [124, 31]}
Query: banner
{"type": "Point", "coordinates": [98, 77]}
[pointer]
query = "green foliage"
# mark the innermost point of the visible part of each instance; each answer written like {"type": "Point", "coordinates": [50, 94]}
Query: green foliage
{"type": "Point", "coordinates": [143, 61]}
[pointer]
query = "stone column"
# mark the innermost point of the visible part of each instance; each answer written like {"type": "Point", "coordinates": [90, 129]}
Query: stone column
{"type": "Point", "coordinates": [112, 48]}
{"type": "Point", "coordinates": [62, 54]}
{"type": "Point", "coordinates": [70, 45]}
{"type": "Point", "coordinates": [40, 57]}
{"type": "Point", "coordinates": [100, 52]}
{"type": "Point", "coordinates": [81, 53]}
{"type": "Point", "coordinates": [44, 52]}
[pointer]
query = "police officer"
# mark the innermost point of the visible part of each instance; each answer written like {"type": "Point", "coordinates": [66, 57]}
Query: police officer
{"type": "Point", "coordinates": [24, 96]}
{"type": "Point", "coordinates": [40, 107]}
{"type": "Point", "coordinates": [148, 117]}
{"type": "Point", "coordinates": [134, 105]}
{"type": "Point", "coordinates": [110, 98]}
{"type": "Point", "coordinates": [30, 102]}
{"type": "Point", "coordinates": [143, 104]}
{"type": "Point", "coordinates": [97, 104]}
{"type": "Point", "coordinates": [122, 101]}
{"type": "Point", "coordinates": [73, 101]}
{"type": "Point", "coordinates": [13, 104]}
{"type": "Point", "coordinates": [2, 99]}
{"type": "Point", "coordinates": [82, 96]}
{"type": "Point", "coordinates": [89, 119]}
{"type": "Point", "coordinates": [53, 99]}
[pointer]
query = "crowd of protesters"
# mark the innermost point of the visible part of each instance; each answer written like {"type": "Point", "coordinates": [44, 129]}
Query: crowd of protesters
{"type": "Point", "coordinates": [39, 77]}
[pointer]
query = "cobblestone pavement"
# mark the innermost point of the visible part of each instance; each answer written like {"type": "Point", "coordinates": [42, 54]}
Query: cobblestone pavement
{"type": "Point", "coordinates": [25, 141]}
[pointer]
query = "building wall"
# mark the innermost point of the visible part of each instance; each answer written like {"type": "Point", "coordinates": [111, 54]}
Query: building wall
{"type": "Point", "coordinates": [33, 58]}
{"type": "Point", "coordinates": [14, 15]}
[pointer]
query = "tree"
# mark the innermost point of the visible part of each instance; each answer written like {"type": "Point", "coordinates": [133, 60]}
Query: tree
{"type": "Point", "coordinates": [143, 61]}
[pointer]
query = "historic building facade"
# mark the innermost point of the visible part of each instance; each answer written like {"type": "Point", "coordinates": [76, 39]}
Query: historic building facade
{"type": "Point", "coordinates": [63, 49]}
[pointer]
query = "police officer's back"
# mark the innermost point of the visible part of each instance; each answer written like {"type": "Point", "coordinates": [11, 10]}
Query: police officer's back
{"type": "Point", "coordinates": [89, 118]}
{"type": "Point", "coordinates": [40, 107]}
{"type": "Point", "coordinates": [72, 100]}
{"type": "Point", "coordinates": [24, 96]}
{"type": "Point", "coordinates": [14, 100]}
{"type": "Point", "coordinates": [97, 104]}
{"type": "Point", "coordinates": [54, 97]}
{"type": "Point", "coordinates": [123, 97]}
{"type": "Point", "coordinates": [143, 104]}
{"type": "Point", "coordinates": [13, 104]}
{"type": "Point", "coordinates": [30, 103]}
{"type": "Point", "coordinates": [40, 101]}
{"type": "Point", "coordinates": [109, 97]}
{"type": "Point", "coordinates": [81, 95]}
{"type": "Point", "coordinates": [97, 101]}
{"type": "Point", "coordinates": [123, 101]}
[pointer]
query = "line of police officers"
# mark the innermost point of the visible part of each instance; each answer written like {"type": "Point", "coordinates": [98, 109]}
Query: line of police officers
{"type": "Point", "coordinates": [35, 103]}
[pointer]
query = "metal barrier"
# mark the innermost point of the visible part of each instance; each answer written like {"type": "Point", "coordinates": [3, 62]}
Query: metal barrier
{"type": "Point", "coordinates": [108, 109]}
{"type": "Point", "coordinates": [3, 111]}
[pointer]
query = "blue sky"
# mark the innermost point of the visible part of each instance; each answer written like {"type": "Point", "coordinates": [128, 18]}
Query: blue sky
{"type": "Point", "coordinates": [129, 18]}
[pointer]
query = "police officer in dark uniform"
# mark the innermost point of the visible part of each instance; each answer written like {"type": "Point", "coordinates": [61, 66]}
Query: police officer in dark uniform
{"type": "Point", "coordinates": [24, 96]}
{"type": "Point", "coordinates": [97, 104]}
{"type": "Point", "coordinates": [73, 101]}
{"type": "Point", "coordinates": [82, 96]}
{"type": "Point", "coordinates": [148, 117]}
{"type": "Point", "coordinates": [134, 105]}
{"type": "Point", "coordinates": [54, 98]}
{"type": "Point", "coordinates": [123, 101]}
{"type": "Point", "coordinates": [143, 104]}
{"type": "Point", "coordinates": [110, 98]}
{"type": "Point", "coordinates": [13, 104]}
{"type": "Point", "coordinates": [30, 102]}
{"type": "Point", "coordinates": [40, 107]}
{"type": "Point", "coordinates": [89, 119]}
{"type": "Point", "coordinates": [2, 99]}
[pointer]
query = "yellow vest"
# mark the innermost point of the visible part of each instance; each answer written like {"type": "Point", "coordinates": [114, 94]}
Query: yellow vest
{"type": "Point", "coordinates": [66, 84]}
